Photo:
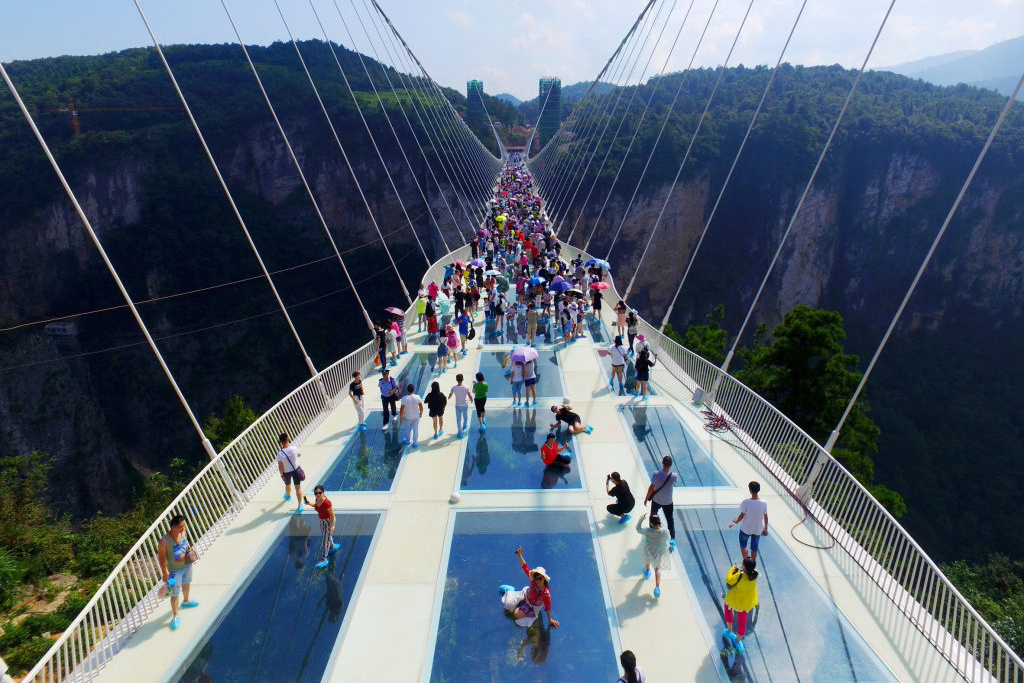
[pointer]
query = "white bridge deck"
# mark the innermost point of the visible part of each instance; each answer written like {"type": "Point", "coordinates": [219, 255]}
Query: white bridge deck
{"type": "Point", "coordinates": [391, 622]}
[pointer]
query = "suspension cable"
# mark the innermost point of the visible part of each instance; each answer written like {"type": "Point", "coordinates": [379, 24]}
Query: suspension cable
{"type": "Point", "coordinates": [426, 161]}
{"type": "Point", "coordinates": [728, 176]}
{"type": "Point", "coordinates": [601, 73]}
{"type": "Point", "coordinates": [448, 157]}
{"type": "Point", "coordinates": [227, 193]}
{"type": "Point", "coordinates": [341, 148]}
{"type": "Point", "coordinates": [800, 203]}
{"type": "Point", "coordinates": [924, 264]}
{"type": "Point", "coordinates": [622, 119]}
{"type": "Point", "coordinates": [373, 140]}
{"type": "Point", "coordinates": [447, 108]}
{"type": "Point", "coordinates": [188, 292]}
{"type": "Point", "coordinates": [689, 146]}
{"type": "Point", "coordinates": [643, 114]}
{"type": "Point", "coordinates": [618, 128]}
{"type": "Point", "coordinates": [568, 178]}
{"type": "Point", "coordinates": [302, 175]}
{"type": "Point", "coordinates": [87, 224]}
{"type": "Point", "coordinates": [387, 117]}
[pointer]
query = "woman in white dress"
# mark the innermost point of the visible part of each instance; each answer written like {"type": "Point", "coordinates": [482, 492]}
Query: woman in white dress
{"type": "Point", "coordinates": [656, 551]}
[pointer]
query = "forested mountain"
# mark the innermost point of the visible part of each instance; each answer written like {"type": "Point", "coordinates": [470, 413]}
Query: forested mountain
{"type": "Point", "coordinates": [945, 392]}
{"type": "Point", "coordinates": [95, 401]}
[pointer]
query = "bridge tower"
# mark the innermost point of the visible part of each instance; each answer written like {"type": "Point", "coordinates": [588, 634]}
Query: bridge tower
{"type": "Point", "coordinates": [475, 104]}
{"type": "Point", "coordinates": [551, 108]}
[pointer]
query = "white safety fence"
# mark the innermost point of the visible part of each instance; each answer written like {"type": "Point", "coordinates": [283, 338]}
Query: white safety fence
{"type": "Point", "coordinates": [841, 505]}
{"type": "Point", "coordinates": [209, 502]}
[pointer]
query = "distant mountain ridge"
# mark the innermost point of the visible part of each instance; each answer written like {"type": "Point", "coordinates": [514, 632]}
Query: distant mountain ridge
{"type": "Point", "coordinates": [997, 67]}
{"type": "Point", "coordinates": [509, 97]}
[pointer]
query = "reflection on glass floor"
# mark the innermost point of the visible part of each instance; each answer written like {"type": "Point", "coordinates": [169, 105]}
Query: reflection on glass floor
{"type": "Point", "coordinates": [658, 431]}
{"type": "Point", "coordinates": [629, 388]}
{"type": "Point", "coordinates": [515, 331]}
{"type": "Point", "coordinates": [283, 625]}
{"type": "Point", "coordinates": [799, 634]}
{"type": "Point", "coordinates": [478, 641]}
{"type": "Point", "coordinates": [549, 378]}
{"type": "Point", "coordinates": [368, 461]}
{"type": "Point", "coordinates": [507, 455]}
{"type": "Point", "coordinates": [418, 371]}
{"type": "Point", "coordinates": [599, 332]}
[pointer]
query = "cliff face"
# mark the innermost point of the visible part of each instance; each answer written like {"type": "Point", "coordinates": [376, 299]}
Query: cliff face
{"type": "Point", "coordinates": [71, 397]}
{"type": "Point", "coordinates": [855, 246]}
{"type": "Point", "coordinates": [948, 382]}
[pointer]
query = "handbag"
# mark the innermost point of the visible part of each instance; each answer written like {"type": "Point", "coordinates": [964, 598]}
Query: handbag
{"type": "Point", "coordinates": [191, 555]}
{"type": "Point", "coordinates": [299, 471]}
{"type": "Point", "coordinates": [663, 485]}
{"type": "Point", "coordinates": [472, 333]}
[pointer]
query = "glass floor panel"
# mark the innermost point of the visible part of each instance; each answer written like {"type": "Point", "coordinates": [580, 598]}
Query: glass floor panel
{"type": "Point", "coordinates": [284, 623]}
{"type": "Point", "coordinates": [368, 461]}
{"type": "Point", "coordinates": [549, 377]}
{"type": "Point", "coordinates": [798, 633]}
{"type": "Point", "coordinates": [658, 431]}
{"type": "Point", "coordinates": [418, 370]}
{"type": "Point", "coordinates": [599, 332]}
{"type": "Point", "coordinates": [605, 356]}
{"type": "Point", "coordinates": [515, 331]}
{"type": "Point", "coordinates": [478, 641]}
{"type": "Point", "coordinates": [507, 454]}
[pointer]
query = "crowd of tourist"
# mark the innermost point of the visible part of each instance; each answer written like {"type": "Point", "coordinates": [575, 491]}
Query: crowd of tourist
{"type": "Point", "coordinates": [516, 268]}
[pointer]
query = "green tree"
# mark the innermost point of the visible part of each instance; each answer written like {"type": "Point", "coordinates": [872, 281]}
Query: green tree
{"type": "Point", "coordinates": [31, 530]}
{"type": "Point", "coordinates": [236, 417]}
{"type": "Point", "coordinates": [707, 340]}
{"type": "Point", "coordinates": [996, 590]}
{"type": "Point", "coordinates": [803, 369]}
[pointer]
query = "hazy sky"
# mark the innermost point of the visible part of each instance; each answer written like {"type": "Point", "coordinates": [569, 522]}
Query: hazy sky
{"type": "Point", "coordinates": [510, 44]}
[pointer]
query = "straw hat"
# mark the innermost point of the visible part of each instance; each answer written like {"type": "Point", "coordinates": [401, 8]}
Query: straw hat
{"type": "Point", "coordinates": [542, 572]}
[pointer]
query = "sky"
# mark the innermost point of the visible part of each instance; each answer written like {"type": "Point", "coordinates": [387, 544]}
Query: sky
{"type": "Point", "coordinates": [512, 43]}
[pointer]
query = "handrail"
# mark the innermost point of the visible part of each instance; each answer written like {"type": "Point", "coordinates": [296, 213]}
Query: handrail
{"type": "Point", "coordinates": [846, 510]}
{"type": "Point", "coordinates": [214, 497]}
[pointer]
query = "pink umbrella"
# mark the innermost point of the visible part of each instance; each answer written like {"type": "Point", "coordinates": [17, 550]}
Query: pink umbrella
{"type": "Point", "coordinates": [523, 354]}
{"type": "Point", "coordinates": [460, 263]}
{"type": "Point", "coordinates": [599, 285]}
{"type": "Point", "coordinates": [395, 310]}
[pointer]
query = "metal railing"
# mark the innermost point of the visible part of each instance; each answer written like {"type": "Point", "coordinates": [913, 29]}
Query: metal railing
{"type": "Point", "coordinates": [209, 502]}
{"type": "Point", "coordinates": [845, 509]}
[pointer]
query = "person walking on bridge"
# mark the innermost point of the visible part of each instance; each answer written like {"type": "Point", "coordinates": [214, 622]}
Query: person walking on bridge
{"type": "Point", "coordinates": [659, 495]}
{"type": "Point", "coordinates": [288, 465]}
{"type": "Point", "coordinates": [176, 556]}
{"type": "Point", "coordinates": [753, 521]}
{"type": "Point", "coordinates": [410, 414]}
{"type": "Point", "coordinates": [388, 398]}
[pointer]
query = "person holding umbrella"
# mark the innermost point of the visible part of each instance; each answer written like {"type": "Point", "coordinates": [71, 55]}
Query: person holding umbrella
{"type": "Point", "coordinates": [595, 298]}
{"type": "Point", "coordinates": [520, 356]}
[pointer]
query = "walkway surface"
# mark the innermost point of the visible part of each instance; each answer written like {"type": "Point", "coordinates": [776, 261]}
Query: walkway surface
{"type": "Point", "coordinates": [391, 619]}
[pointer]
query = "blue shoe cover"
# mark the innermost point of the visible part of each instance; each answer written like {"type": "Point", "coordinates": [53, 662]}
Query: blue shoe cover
{"type": "Point", "coordinates": [505, 588]}
{"type": "Point", "coordinates": [624, 518]}
{"type": "Point", "coordinates": [321, 564]}
{"type": "Point", "coordinates": [335, 548]}
{"type": "Point", "coordinates": [657, 591]}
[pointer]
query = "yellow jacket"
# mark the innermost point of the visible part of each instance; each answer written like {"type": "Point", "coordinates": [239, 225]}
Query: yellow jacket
{"type": "Point", "coordinates": [742, 593]}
